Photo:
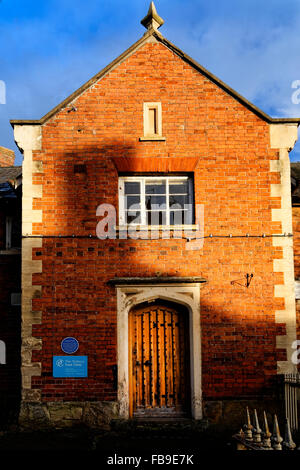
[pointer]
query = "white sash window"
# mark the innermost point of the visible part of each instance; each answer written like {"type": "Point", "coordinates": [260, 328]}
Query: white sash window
{"type": "Point", "coordinates": [156, 200]}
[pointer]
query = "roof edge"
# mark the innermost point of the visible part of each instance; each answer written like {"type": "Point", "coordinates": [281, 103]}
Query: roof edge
{"type": "Point", "coordinates": [226, 87]}
{"type": "Point", "coordinates": [152, 32]}
{"type": "Point", "coordinates": [86, 85]}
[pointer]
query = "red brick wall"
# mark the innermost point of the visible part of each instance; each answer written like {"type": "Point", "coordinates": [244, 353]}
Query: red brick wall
{"type": "Point", "coordinates": [7, 157]}
{"type": "Point", "coordinates": [232, 180]}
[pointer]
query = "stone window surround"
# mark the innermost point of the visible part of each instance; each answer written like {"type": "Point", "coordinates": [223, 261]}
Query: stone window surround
{"type": "Point", "coordinates": [147, 134]}
{"type": "Point", "coordinates": [186, 294]}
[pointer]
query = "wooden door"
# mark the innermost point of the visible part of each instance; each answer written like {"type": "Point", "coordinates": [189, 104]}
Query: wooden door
{"type": "Point", "coordinates": [159, 365]}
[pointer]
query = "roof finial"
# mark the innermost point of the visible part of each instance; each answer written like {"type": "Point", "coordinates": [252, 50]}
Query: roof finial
{"type": "Point", "coordinates": [152, 20]}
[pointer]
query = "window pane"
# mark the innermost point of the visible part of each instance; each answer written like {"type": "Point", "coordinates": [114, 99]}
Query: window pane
{"type": "Point", "coordinates": [133, 201]}
{"type": "Point", "coordinates": [156, 218]}
{"type": "Point", "coordinates": [152, 120]}
{"type": "Point", "coordinates": [155, 202]}
{"type": "Point", "coordinates": [177, 218]}
{"type": "Point", "coordinates": [132, 187]}
{"type": "Point", "coordinates": [181, 217]}
{"type": "Point", "coordinates": [133, 217]}
{"type": "Point", "coordinates": [178, 187]}
{"type": "Point", "coordinates": [178, 201]}
{"type": "Point", "coordinates": [156, 187]}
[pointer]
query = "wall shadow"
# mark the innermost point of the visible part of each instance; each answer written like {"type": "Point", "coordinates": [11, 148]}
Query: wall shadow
{"type": "Point", "coordinates": [239, 356]}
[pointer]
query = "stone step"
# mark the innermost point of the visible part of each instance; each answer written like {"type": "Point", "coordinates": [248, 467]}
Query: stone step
{"type": "Point", "coordinates": [155, 427]}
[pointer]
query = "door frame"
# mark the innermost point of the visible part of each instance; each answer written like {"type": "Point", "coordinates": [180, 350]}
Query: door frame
{"type": "Point", "coordinates": [129, 296]}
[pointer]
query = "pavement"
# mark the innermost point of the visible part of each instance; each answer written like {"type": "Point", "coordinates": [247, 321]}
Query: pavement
{"type": "Point", "coordinates": [121, 442]}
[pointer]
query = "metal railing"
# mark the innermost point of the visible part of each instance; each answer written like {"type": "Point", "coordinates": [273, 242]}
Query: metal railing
{"type": "Point", "coordinates": [291, 387]}
{"type": "Point", "coordinates": [253, 437]}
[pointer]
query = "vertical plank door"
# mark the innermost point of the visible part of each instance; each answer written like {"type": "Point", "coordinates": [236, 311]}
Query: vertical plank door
{"type": "Point", "coordinates": [159, 360]}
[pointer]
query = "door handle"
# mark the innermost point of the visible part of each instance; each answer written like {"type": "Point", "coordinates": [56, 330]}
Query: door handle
{"type": "Point", "coordinates": [147, 363]}
{"type": "Point", "coordinates": [137, 363]}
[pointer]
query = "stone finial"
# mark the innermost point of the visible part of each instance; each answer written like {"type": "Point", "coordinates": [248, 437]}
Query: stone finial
{"type": "Point", "coordinates": [276, 438]}
{"type": "Point", "coordinates": [288, 442]}
{"type": "Point", "coordinates": [152, 20]}
{"type": "Point", "coordinates": [257, 430]}
{"type": "Point", "coordinates": [266, 433]}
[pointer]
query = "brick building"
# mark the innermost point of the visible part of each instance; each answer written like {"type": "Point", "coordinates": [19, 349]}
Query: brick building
{"type": "Point", "coordinates": [10, 285]}
{"type": "Point", "coordinates": [168, 325]}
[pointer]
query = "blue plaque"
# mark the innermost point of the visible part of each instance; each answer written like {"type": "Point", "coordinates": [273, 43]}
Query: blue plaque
{"type": "Point", "coordinates": [69, 345]}
{"type": "Point", "coordinates": [65, 366]}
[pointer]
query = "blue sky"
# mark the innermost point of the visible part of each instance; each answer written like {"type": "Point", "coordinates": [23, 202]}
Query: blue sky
{"type": "Point", "coordinates": [50, 48]}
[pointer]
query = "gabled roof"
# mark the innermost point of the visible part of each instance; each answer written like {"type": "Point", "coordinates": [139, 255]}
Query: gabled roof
{"type": "Point", "coordinates": [152, 33]}
{"type": "Point", "coordinates": [10, 180]}
{"type": "Point", "coordinates": [10, 173]}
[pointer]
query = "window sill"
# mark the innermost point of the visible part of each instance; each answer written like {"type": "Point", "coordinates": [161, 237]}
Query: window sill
{"type": "Point", "coordinates": [11, 251]}
{"type": "Point", "coordinates": [160, 228]}
{"type": "Point", "coordinates": [150, 138]}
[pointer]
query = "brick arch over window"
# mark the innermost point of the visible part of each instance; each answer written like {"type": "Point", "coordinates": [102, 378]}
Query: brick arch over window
{"type": "Point", "coordinates": [129, 296]}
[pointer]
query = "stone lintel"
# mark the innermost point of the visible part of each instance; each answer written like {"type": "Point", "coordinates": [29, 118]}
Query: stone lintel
{"type": "Point", "coordinates": [155, 280]}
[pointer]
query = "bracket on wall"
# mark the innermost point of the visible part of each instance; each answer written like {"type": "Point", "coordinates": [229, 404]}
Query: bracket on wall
{"type": "Point", "coordinates": [248, 281]}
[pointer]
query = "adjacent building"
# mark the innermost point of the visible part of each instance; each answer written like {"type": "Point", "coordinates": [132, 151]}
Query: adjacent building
{"type": "Point", "coordinates": [10, 285]}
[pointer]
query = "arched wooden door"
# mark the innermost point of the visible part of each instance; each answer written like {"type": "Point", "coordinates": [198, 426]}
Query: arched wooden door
{"type": "Point", "coordinates": [159, 360]}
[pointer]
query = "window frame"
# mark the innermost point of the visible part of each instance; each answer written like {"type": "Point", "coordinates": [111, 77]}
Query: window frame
{"type": "Point", "coordinates": [142, 179]}
{"type": "Point", "coordinates": [147, 107]}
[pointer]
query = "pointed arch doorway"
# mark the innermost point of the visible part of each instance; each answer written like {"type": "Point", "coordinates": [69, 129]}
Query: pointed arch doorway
{"type": "Point", "coordinates": [132, 292]}
{"type": "Point", "coordinates": [159, 360]}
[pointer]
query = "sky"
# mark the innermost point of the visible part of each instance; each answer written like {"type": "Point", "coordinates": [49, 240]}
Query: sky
{"type": "Point", "coordinates": [49, 48]}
